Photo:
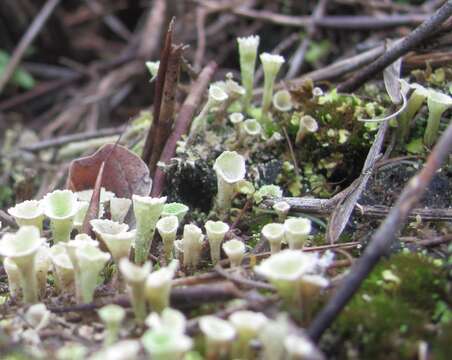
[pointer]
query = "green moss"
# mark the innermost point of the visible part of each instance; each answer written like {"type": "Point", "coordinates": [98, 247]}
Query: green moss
{"type": "Point", "coordinates": [442, 344]}
{"type": "Point", "coordinates": [391, 312]}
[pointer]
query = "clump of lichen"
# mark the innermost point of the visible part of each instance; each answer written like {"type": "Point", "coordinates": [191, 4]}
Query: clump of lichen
{"type": "Point", "coordinates": [400, 304]}
{"type": "Point", "coordinates": [336, 151]}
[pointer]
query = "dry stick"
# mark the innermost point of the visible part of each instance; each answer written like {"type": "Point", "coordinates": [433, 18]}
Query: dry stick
{"type": "Point", "coordinates": [414, 39]}
{"type": "Point", "coordinates": [298, 58]}
{"type": "Point", "coordinates": [66, 139]}
{"type": "Point", "coordinates": [426, 214]}
{"type": "Point", "coordinates": [382, 239]}
{"type": "Point", "coordinates": [343, 210]}
{"type": "Point", "coordinates": [166, 117]}
{"type": "Point", "coordinates": [26, 40]}
{"type": "Point", "coordinates": [152, 29]}
{"type": "Point", "coordinates": [308, 205]}
{"type": "Point", "coordinates": [333, 22]}
{"type": "Point", "coordinates": [181, 297]}
{"type": "Point", "coordinates": [182, 123]}
{"type": "Point", "coordinates": [158, 96]}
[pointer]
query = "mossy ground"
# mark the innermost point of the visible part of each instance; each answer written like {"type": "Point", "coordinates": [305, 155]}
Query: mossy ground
{"type": "Point", "coordinates": [404, 302]}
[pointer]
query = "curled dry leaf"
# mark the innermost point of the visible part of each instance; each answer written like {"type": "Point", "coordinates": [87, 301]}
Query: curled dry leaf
{"type": "Point", "coordinates": [124, 173]}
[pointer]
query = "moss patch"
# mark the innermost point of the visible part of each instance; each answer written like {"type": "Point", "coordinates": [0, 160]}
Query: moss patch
{"type": "Point", "coordinates": [393, 311]}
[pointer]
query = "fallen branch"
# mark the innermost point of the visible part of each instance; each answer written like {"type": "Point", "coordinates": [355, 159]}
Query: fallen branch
{"type": "Point", "coordinates": [324, 207]}
{"type": "Point", "coordinates": [66, 139]}
{"type": "Point", "coordinates": [333, 22]}
{"type": "Point", "coordinates": [382, 239]}
{"type": "Point", "coordinates": [428, 27]}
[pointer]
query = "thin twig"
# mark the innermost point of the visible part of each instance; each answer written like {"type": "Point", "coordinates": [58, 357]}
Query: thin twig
{"type": "Point", "coordinates": [26, 40]}
{"type": "Point", "coordinates": [299, 56]}
{"type": "Point", "coordinates": [382, 239]}
{"type": "Point", "coordinates": [158, 96]}
{"type": "Point", "coordinates": [66, 139]}
{"type": "Point", "coordinates": [333, 22]}
{"type": "Point", "coordinates": [429, 26]}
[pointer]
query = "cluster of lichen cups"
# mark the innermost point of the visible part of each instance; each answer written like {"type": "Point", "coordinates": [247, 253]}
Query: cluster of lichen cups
{"type": "Point", "coordinates": [77, 262]}
{"type": "Point", "coordinates": [437, 104]}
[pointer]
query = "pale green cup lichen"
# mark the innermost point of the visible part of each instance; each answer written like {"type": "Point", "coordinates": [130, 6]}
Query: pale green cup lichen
{"type": "Point", "coordinates": [147, 212]}
{"type": "Point", "coordinates": [61, 206]}
{"type": "Point", "coordinates": [216, 231]}
{"type": "Point", "coordinates": [248, 54]}
{"type": "Point", "coordinates": [28, 212]}
{"type": "Point", "coordinates": [135, 277]}
{"type": "Point", "coordinates": [22, 248]}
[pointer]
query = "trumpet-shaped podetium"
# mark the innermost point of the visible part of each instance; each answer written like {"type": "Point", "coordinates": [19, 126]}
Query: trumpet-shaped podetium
{"type": "Point", "coordinates": [311, 286]}
{"type": "Point", "coordinates": [13, 274]}
{"type": "Point", "coordinates": [167, 228]}
{"type": "Point", "coordinates": [274, 233]}
{"type": "Point", "coordinates": [115, 236]}
{"type": "Point", "coordinates": [230, 168]}
{"type": "Point", "coordinates": [122, 350]}
{"type": "Point", "coordinates": [169, 319]}
{"type": "Point", "coordinates": [282, 209]}
{"type": "Point", "coordinates": [42, 266]}
{"type": "Point", "coordinates": [37, 316]}
{"type": "Point", "coordinates": [284, 271]}
{"type": "Point", "coordinates": [22, 248]}
{"type": "Point", "coordinates": [248, 54]}
{"type": "Point", "coordinates": [247, 324]}
{"type": "Point", "coordinates": [147, 212]}
{"type": "Point", "coordinates": [192, 240]}
{"type": "Point", "coordinates": [153, 67]}
{"type": "Point", "coordinates": [90, 261]}
{"type": "Point", "coordinates": [300, 347]}
{"type": "Point", "coordinates": [282, 101]}
{"type": "Point", "coordinates": [119, 207]}
{"type": "Point", "coordinates": [218, 334]}
{"type": "Point", "coordinates": [413, 105]}
{"type": "Point", "coordinates": [61, 206]}
{"type": "Point", "coordinates": [86, 195]}
{"type": "Point", "coordinates": [216, 231]}
{"type": "Point", "coordinates": [62, 268]}
{"type": "Point", "coordinates": [272, 337]}
{"type": "Point", "coordinates": [271, 65]}
{"type": "Point", "coordinates": [233, 89]}
{"type": "Point", "coordinates": [28, 212]}
{"type": "Point", "coordinates": [80, 215]}
{"type": "Point", "coordinates": [217, 96]}
{"type": "Point", "coordinates": [235, 251]}
{"type": "Point", "coordinates": [306, 125]}
{"type": "Point", "coordinates": [250, 128]}
{"type": "Point", "coordinates": [135, 277]}
{"type": "Point", "coordinates": [236, 118]}
{"type": "Point", "coordinates": [437, 103]}
{"type": "Point", "coordinates": [112, 316]}
{"type": "Point", "coordinates": [80, 241]}
{"type": "Point", "coordinates": [176, 209]}
{"type": "Point", "coordinates": [297, 231]}
{"type": "Point", "coordinates": [158, 286]}
{"type": "Point", "coordinates": [166, 344]}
